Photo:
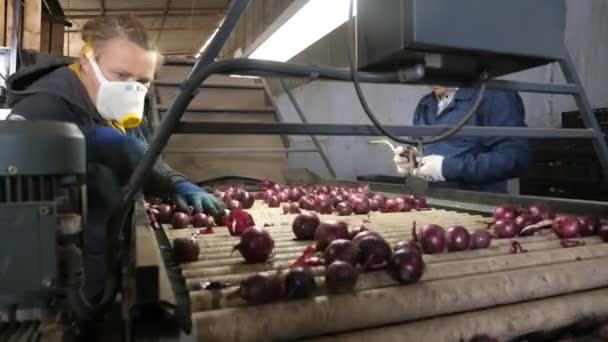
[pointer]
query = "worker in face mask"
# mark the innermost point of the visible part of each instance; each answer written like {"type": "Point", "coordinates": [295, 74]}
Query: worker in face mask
{"type": "Point", "coordinates": [468, 163]}
{"type": "Point", "coordinates": [104, 93]}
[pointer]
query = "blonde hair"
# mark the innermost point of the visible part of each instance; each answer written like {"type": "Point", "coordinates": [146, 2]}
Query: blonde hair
{"type": "Point", "coordinates": [96, 32]}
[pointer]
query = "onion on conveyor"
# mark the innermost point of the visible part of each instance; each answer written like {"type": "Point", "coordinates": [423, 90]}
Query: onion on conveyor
{"type": "Point", "coordinates": [461, 294]}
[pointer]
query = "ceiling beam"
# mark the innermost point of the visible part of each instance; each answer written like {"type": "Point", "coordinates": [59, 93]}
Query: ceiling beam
{"type": "Point", "coordinates": [155, 29]}
{"type": "Point", "coordinates": [150, 9]}
{"type": "Point", "coordinates": [103, 6]}
{"type": "Point", "coordinates": [163, 20]}
{"type": "Point", "coordinates": [145, 15]}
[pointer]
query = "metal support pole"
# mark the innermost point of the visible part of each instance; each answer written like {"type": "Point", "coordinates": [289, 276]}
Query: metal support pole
{"type": "Point", "coordinates": [237, 150]}
{"type": "Point", "coordinates": [315, 141]}
{"type": "Point", "coordinates": [586, 111]}
{"type": "Point", "coordinates": [370, 130]}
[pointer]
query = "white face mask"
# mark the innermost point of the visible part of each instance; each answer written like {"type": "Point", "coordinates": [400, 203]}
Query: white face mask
{"type": "Point", "coordinates": [120, 101]}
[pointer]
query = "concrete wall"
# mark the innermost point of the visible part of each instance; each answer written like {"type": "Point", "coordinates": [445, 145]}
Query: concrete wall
{"type": "Point", "coordinates": [334, 102]}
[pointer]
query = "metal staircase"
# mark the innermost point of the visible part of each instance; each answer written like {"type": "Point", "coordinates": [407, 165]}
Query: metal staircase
{"type": "Point", "coordinates": [225, 99]}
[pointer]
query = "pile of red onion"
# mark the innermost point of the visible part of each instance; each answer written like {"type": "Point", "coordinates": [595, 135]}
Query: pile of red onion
{"type": "Point", "coordinates": [510, 221]}
{"type": "Point", "coordinates": [341, 200]}
{"type": "Point", "coordinates": [433, 239]}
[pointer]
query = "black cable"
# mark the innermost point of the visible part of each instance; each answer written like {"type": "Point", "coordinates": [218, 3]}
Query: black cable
{"type": "Point", "coordinates": [355, 77]}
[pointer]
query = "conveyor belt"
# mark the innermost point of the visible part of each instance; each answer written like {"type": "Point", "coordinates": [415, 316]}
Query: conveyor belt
{"type": "Point", "coordinates": [453, 284]}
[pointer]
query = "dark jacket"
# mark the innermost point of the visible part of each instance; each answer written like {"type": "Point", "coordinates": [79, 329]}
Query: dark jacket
{"type": "Point", "coordinates": [476, 163]}
{"type": "Point", "coordinates": [52, 91]}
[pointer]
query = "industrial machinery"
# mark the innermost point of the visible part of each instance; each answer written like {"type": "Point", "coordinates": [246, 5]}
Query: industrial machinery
{"type": "Point", "coordinates": [465, 43]}
{"type": "Point", "coordinates": [43, 211]}
{"type": "Point", "coordinates": [457, 40]}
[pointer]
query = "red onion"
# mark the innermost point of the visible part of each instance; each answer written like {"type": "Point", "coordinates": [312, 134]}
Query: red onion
{"type": "Point", "coordinates": [458, 239]}
{"type": "Point", "coordinates": [295, 194]}
{"type": "Point", "coordinates": [364, 189]}
{"type": "Point", "coordinates": [589, 225]}
{"type": "Point", "coordinates": [261, 288]}
{"type": "Point", "coordinates": [432, 239]}
{"type": "Point", "coordinates": [355, 231]}
{"type": "Point", "coordinates": [362, 235]}
{"type": "Point", "coordinates": [504, 211]}
{"type": "Point", "coordinates": [305, 225]}
{"type": "Point", "coordinates": [405, 244]}
{"type": "Point", "coordinates": [268, 194]}
{"type": "Point", "coordinates": [299, 283]}
{"type": "Point", "coordinates": [234, 204]}
{"type": "Point", "coordinates": [402, 205]}
{"type": "Point", "coordinates": [390, 206]}
{"type": "Point", "coordinates": [526, 219]}
{"type": "Point", "coordinates": [323, 204]}
{"type": "Point", "coordinates": [283, 196]}
{"type": "Point", "coordinates": [380, 199]}
{"type": "Point", "coordinates": [541, 210]}
{"type": "Point", "coordinates": [186, 249]}
{"type": "Point", "coordinates": [329, 231]}
{"type": "Point", "coordinates": [200, 220]}
{"type": "Point", "coordinates": [480, 239]}
{"type": "Point", "coordinates": [180, 220]}
{"type": "Point", "coordinates": [505, 229]}
{"type": "Point", "coordinates": [164, 213]}
{"type": "Point", "coordinates": [566, 227]}
{"type": "Point", "coordinates": [374, 253]}
{"type": "Point", "coordinates": [238, 221]}
{"type": "Point", "coordinates": [344, 209]}
{"type": "Point", "coordinates": [420, 203]}
{"type": "Point", "coordinates": [361, 206]}
{"type": "Point", "coordinates": [273, 201]}
{"type": "Point", "coordinates": [307, 203]}
{"type": "Point", "coordinates": [256, 245]}
{"type": "Point", "coordinates": [341, 249]}
{"type": "Point", "coordinates": [356, 196]}
{"type": "Point", "coordinates": [341, 277]}
{"type": "Point", "coordinates": [603, 232]}
{"type": "Point", "coordinates": [407, 266]}
{"type": "Point", "coordinates": [336, 200]}
{"type": "Point", "coordinates": [227, 195]}
{"type": "Point", "coordinates": [246, 199]}
{"type": "Point", "coordinates": [285, 207]}
{"type": "Point", "coordinates": [375, 205]}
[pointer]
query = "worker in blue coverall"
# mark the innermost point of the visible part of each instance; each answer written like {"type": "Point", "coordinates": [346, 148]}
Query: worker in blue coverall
{"type": "Point", "coordinates": [104, 94]}
{"type": "Point", "coordinates": [470, 163]}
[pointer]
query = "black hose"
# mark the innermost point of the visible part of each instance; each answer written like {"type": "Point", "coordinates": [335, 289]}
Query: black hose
{"type": "Point", "coordinates": [372, 117]}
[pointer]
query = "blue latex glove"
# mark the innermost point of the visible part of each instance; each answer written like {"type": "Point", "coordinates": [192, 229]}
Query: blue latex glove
{"type": "Point", "coordinates": [187, 194]}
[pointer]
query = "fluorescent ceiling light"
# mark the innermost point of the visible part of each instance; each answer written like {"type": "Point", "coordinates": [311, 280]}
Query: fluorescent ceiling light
{"type": "Point", "coordinates": [312, 22]}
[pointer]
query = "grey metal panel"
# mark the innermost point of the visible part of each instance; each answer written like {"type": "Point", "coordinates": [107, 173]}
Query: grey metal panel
{"type": "Point", "coordinates": [460, 38]}
{"type": "Point", "coordinates": [513, 27]}
{"type": "Point", "coordinates": [27, 252]}
{"type": "Point", "coordinates": [41, 148]}
{"type": "Point", "coordinates": [368, 130]}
